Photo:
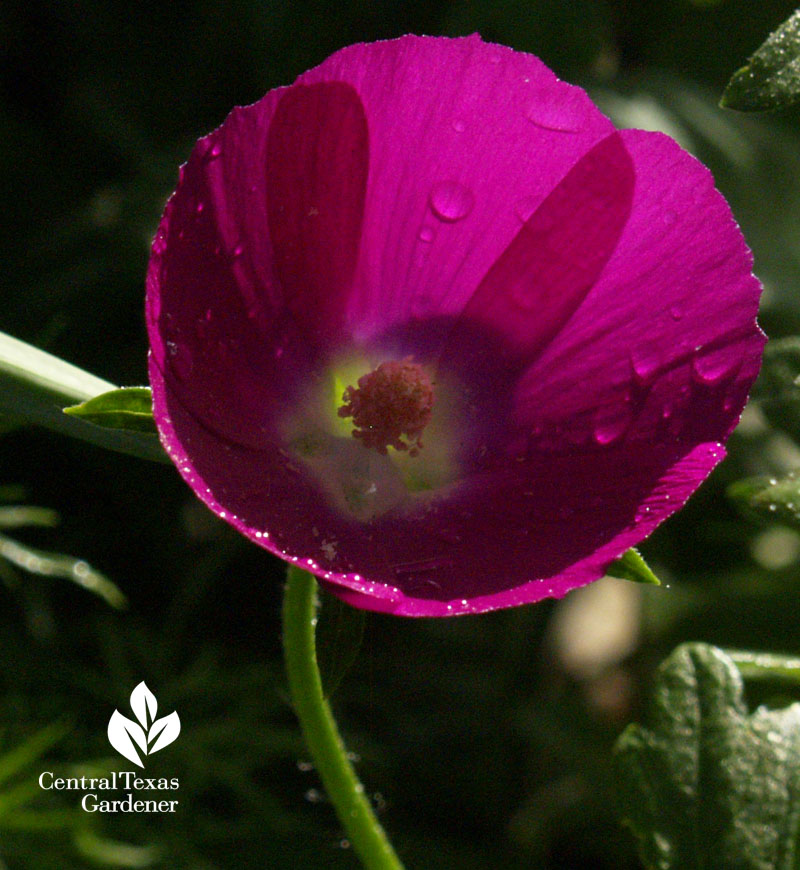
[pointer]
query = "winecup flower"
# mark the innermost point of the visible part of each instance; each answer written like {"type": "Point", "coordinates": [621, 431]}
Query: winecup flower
{"type": "Point", "coordinates": [425, 324]}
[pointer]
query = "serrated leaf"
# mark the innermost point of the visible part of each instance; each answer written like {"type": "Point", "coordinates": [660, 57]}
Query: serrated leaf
{"type": "Point", "coordinates": [128, 408]}
{"type": "Point", "coordinates": [709, 785]}
{"type": "Point", "coordinates": [771, 77]}
{"type": "Point", "coordinates": [769, 498]}
{"type": "Point", "coordinates": [631, 566]}
{"type": "Point", "coordinates": [340, 632]}
{"type": "Point", "coordinates": [777, 389]}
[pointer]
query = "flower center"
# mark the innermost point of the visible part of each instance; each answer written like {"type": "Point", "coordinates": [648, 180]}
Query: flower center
{"type": "Point", "coordinates": [393, 401]}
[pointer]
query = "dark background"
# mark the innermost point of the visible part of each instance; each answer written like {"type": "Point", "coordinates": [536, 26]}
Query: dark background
{"type": "Point", "coordinates": [485, 741]}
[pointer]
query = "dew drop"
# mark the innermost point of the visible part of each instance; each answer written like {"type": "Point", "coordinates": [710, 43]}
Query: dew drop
{"type": "Point", "coordinates": [216, 150]}
{"type": "Point", "coordinates": [426, 234]}
{"type": "Point", "coordinates": [710, 369]}
{"type": "Point", "coordinates": [238, 251]}
{"type": "Point", "coordinates": [459, 126]}
{"type": "Point", "coordinates": [199, 207]}
{"type": "Point", "coordinates": [451, 201]}
{"type": "Point", "coordinates": [676, 312]}
{"type": "Point", "coordinates": [561, 111]}
{"type": "Point", "coordinates": [611, 424]}
{"type": "Point", "coordinates": [180, 359]}
{"type": "Point", "coordinates": [525, 207]}
{"type": "Point", "coordinates": [644, 364]}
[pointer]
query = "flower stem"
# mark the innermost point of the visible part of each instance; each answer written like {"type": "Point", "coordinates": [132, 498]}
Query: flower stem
{"type": "Point", "coordinates": [319, 727]}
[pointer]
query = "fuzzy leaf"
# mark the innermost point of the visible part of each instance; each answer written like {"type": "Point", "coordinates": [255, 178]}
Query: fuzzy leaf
{"type": "Point", "coordinates": [128, 408]}
{"type": "Point", "coordinates": [631, 566]}
{"type": "Point", "coordinates": [709, 785]}
{"type": "Point", "coordinates": [777, 389]}
{"type": "Point", "coordinates": [769, 498]}
{"type": "Point", "coordinates": [771, 77]}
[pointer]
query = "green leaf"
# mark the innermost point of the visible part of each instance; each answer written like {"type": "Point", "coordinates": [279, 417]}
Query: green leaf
{"type": "Point", "coordinates": [35, 386]}
{"type": "Point", "coordinates": [340, 632]}
{"type": "Point", "coordinates": [126, 408]}
{"type": "Point", "coordinates": [766, 666]}
{"type": "Point", "coordinates": [16, 516]}
{"type": "Point", "coordinates": [631, 566]}
{"type": "Point", "coordinates": [777, 389]}
{"type": "Point", "coordinates": [708, 785]}
{"type": "Point", "coordinates": [769, 498]}
{"type": "Point", "coordinates": [26, 754]}
{"type": "Point", "coordinates": [60, 565]}
{"type": "Point", "coordinates": [771, 77]}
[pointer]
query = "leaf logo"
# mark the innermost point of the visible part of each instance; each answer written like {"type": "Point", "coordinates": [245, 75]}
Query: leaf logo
{"type": "Point", "coordinates": [149, 735]}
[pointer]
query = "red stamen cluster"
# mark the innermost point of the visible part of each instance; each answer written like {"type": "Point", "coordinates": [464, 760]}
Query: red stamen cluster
{"type": "Point", "coordinates": [394, 400]}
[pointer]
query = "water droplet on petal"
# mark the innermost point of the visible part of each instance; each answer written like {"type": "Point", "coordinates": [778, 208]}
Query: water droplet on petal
{"type": "Point", "coordinates": [711, 368]}
{"type": "Point", "coordinates": [644, 364]}
{"type": "Point", "coordinates": [199, 207]}
{"type": "Point", "coordinates": [180, 359]}
{"type": "Point", "coordinates": [216, 150]}
{"type": "Point", "coordinates": [525, 207]}
{"type": "Point", "coordinates": [451, 201]}
{"type": "Point", "coordinates": [559, 110]}
{"type": "Point", "coordinates": [459, 126]}
{"type": "Point", "coordinates": [612, 423]}
{"type": "Point", "coordinates": [427, 234]}
{"type": "Point", "coordinates": [676, 312]}
{"type": "Point", "coordinates": [238, 251]}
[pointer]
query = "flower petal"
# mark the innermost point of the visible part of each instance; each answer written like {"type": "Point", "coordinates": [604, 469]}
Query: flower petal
{"type": "Point", "coordinates": [666, 343]}
{"type": "Point", "coordinates": [465, 137]}
{"type": "Point", "coordinates": [215, 310]}
{"type": "Point", "coordinates": [503, 546]}
{"type": "Point", "coordinates": [317, 160]}
{"type": "Point", "coordinates": [516, 534]}
{"type": "Point", "coordinates": [544, 274]}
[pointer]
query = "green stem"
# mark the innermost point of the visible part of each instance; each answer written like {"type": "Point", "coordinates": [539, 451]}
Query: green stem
{"type": "Point", "coordinates": [319, 727]}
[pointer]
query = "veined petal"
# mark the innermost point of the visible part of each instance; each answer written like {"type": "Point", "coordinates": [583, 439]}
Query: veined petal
{"type": "Point", "coordinates": [317, 160]}
{"type": "Point", "coordinates": [541, 278]}
{"type": "Point", "coordinates": [665, 346]}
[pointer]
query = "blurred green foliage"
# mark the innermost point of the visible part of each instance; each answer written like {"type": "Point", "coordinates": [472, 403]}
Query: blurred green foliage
{"type": "Point", "coordinates": [482, 741]}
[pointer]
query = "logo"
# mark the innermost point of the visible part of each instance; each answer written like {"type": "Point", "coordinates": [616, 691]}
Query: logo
{"type": "Point", "coordinates": [149, 734]}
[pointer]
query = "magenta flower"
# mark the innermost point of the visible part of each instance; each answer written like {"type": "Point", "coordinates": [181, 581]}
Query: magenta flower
{"type": "Point", "coordinates": [425, 324]}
